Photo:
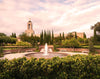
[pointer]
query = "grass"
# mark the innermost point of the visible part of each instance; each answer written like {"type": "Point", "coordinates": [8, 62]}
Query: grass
{"type": "Point", "coordinates": [96, 46]}
{"type": "Point", "coordinates": [9, 48]}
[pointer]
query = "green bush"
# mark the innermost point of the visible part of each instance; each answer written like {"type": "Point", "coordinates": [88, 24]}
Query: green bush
{"type": "Point", "coordinates": [6, 39]}
{"type": "Point", "coordinates": [22, 44]}
{"type": "Point", "coordinates": [73, 43]}
{"type": "Point", "coordinates": [70, 67]}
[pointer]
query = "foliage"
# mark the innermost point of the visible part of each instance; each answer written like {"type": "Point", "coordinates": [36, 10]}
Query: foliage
{"type": "Point", "coordinates": [71, 43]}
{"type": "Point", "coordinates": [91, 46]}
{"type": "Point", "coordinates": [70, 67]}
{"type": "Point", "coordinates": [63, 36]}
{"type": "Point", "coordinates": [52, 40]}
{"type": "Point", "coordinates": [86, 40]}
{"type": "Point", "coordinates": [46, 37]}
{"type": "Point", "coordinates": [96, 28]}
{"type": "Point", "coordinates": [30, 39]}
{"type": "Point", "coordinates": [41, 38]}
{"type": "Point", "coordinates": [2, 34]}
{"type": "Point", "coordinates": [37, 48]}
{"type": "Point", "coordinates": [70, 36]}
{"type": "Point", "coordinates": [75, 35]}
{"type": "Point", "coordinates": [55, 47]}
{"type": "Point", "coordinates": [84, 36]}
{"type": "Point", "coordinates": [60, 38]}
{"type": "Point", "coordinates": [81, 40]}
{"type": "Point", "coordinates": [13, 35]}
{"type": "Point", "coordinates": [6, 39]}
{"type": "Point", "coordinates": [23, 44]}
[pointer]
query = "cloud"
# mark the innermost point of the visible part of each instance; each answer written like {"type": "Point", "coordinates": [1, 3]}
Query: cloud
{"type": "Point", "coordinates": [59, 15]}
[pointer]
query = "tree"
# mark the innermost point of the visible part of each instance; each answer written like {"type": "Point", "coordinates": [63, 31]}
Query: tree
{"type": "Point", "coordinates": [70, 36]}
{"type": "Point", "coordinates": [73, 43]}
{"type": "Point", "coordinates": [41, 38]}
{"type": "Point", "coordinates": [13, 35]}
{"type": "Point", "coordinates": [81, 40]}
{"type": "Point", "coordinates": [33, 39]}
{"type": "Point", "coordinates": [65, 43]}
{"type": "Point", "coordinates": [75, 35]}
{"type": "Point", "coordinates": [2, 34]}
{"type": "Point", "coordinates": [23, 37]}
{"type": "Point", "coordinates": [52, 37]}
{"type": "Point", "coordinates": [63, 36]}
{"type": "Point", "coordinates": [84, 36]}
{"type": "Point", "coordinates": [49, 37]}
{"type": "Point", "coordinates": [45, 34]}
{"type": "Point", "coordinates": [60, 38]}
{"type": "Point", "coordinates": [5, 39]}
{"type": "Point", "coordinates": [91, 46]}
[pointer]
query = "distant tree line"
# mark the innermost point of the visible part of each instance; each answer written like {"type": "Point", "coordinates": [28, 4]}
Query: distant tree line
{"type": "Point", "coordinates": [4, 39]}
{"type": "Point", "coordinates": [45, 37]}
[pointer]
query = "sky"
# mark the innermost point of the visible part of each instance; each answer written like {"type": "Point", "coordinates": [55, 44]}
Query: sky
{"type": "Point", "coordinates": [57, 15]}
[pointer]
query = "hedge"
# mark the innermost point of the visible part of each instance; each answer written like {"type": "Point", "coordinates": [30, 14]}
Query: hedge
{"type": "Point", "coordinates": [70, 67]}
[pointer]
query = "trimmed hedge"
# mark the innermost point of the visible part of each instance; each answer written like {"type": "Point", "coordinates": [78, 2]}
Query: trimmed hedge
{"type": "Point", "coordinates": [70, 67]}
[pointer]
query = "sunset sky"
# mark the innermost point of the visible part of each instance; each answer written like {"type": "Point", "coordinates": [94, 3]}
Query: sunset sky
{"type": "Point", "coordinates": [58, 15]}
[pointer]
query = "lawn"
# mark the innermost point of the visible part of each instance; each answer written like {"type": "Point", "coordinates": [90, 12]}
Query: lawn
{"type": "Point", "coordinates": [96, 46]}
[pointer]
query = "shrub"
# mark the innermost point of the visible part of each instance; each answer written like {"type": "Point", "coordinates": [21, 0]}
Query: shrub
{"type": "Point", "coordinates": [71, 43]}
{"type": "Point", "coordinates": [70, 67]}
{"type": "Point", "coordinates": [22, 43]}
{"type": "Point", "coordinates": [91, 47]}
{"type": "Point", "coordinates": [55, 47]}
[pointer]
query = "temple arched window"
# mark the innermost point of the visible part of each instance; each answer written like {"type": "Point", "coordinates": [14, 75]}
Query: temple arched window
{"type": "Point", "coordinates": [28, 26]}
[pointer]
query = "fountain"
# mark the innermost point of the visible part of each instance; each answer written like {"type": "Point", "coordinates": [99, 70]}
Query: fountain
{"type": "Point", "coordinates": [46, 49]}
{"type": "Point", "coordinates": [46, 52]}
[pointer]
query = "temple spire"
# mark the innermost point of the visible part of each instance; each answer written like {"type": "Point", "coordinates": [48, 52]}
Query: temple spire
{"type": "Point", "coordinates": [29, 19]}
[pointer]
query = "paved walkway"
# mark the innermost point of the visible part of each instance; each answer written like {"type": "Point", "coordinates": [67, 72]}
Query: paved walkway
{"type": "Point", "coordinates": [15, 55]}
{"type": "Point", "coordinates": [20, 55]}
{"type": "Point", "coordinates": [72, 53]}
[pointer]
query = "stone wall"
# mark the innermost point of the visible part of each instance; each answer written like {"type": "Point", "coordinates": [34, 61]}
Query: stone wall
{"type": "Point", "coordinates": [19, 50]}
{"type": "Point", "coordinates": [98, 50]}
{"type": "Point", "coordinates": [76, 49]}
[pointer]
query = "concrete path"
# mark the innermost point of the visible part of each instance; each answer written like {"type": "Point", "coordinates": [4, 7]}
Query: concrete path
{"type": "Point", "coordinates": [15, 55]}
{"type": "Point", "coordinates": [72, 53]}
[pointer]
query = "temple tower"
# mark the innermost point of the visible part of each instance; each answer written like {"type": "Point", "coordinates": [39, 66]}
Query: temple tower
{"type": "Point", "coordinates": [29, 30]}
